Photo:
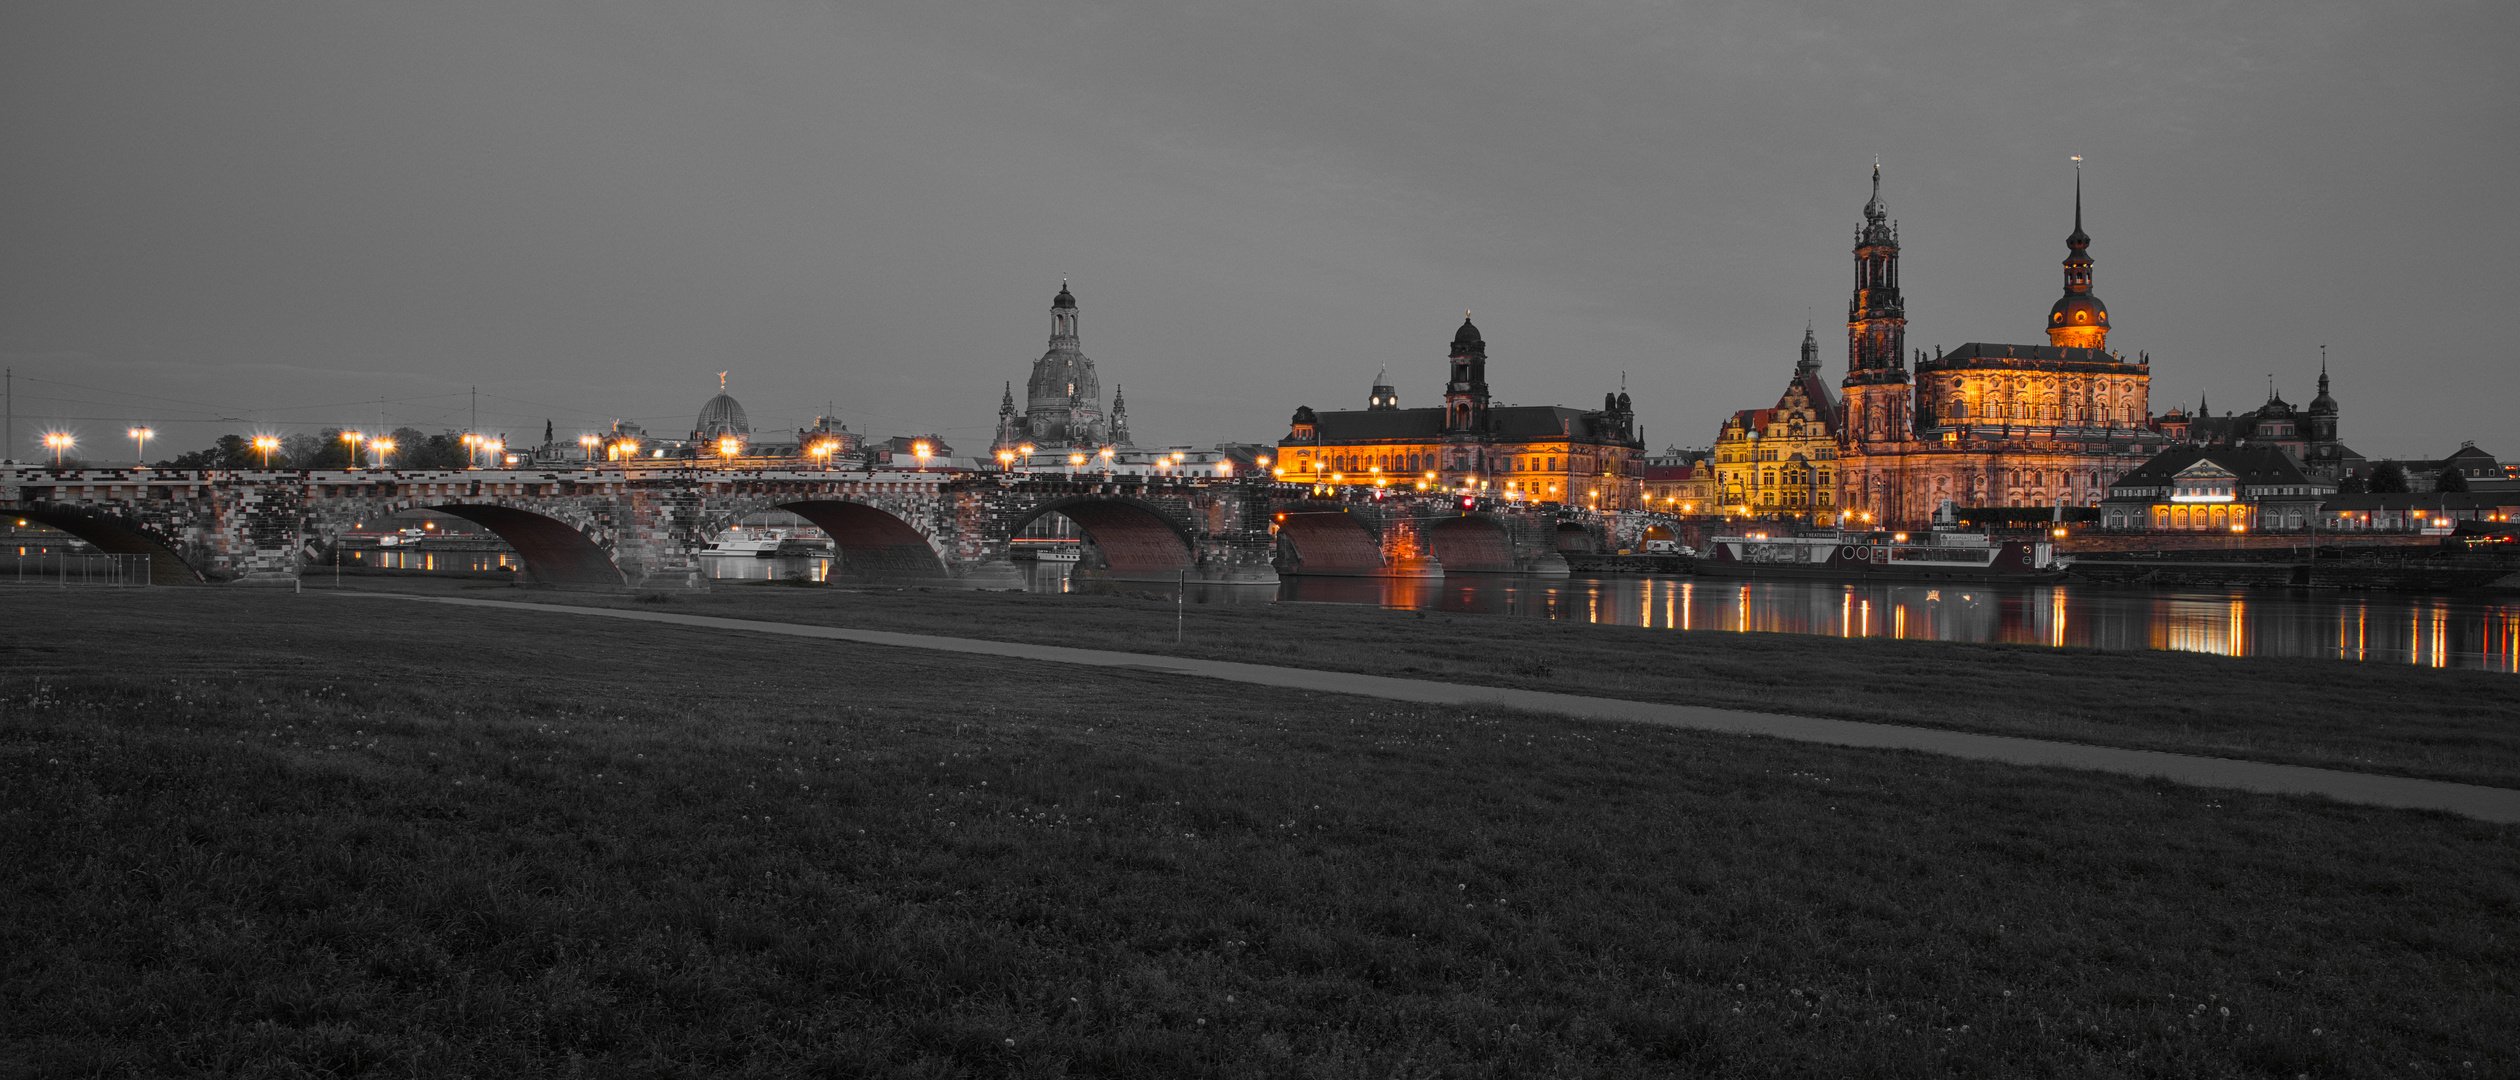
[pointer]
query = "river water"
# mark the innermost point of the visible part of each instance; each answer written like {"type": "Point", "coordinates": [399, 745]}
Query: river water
{"type": "Point", "coordinates": [2459, 631]}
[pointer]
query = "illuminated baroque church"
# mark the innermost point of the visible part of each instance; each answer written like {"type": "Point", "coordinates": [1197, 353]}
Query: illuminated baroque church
{"type": "Point", "coordinates": [1985, 424]}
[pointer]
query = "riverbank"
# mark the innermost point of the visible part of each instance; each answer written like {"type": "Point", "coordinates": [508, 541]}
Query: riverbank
{"type": "Point", "coordinates": [2402, 720]}
{"type": "Point", "coordinates": [295, 834]}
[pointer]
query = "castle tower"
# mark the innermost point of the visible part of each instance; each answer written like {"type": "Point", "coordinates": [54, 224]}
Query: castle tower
{"type": "Point", "coordinates": [1466, 390]}
{"type": "Point", "coordinates": [2079, 320]}
{"type": "Point", "coordinates": [1876, 332]}
{"type": "Point", "coordinates": [2322, 412]}
{"type": "Point", "coordinates": [1119, 418]}
{"type": "Point", "coordinates": [1810, 364]}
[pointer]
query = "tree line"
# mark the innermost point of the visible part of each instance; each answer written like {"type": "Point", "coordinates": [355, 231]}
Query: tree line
{"type": "Point", "coordinates": [413, 449]}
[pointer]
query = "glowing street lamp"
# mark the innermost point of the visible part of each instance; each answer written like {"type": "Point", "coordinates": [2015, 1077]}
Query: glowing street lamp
{"type": "Point", "coordinates": [58, 441]}
{"type": "Point", "coordinates": [266, 444]}
{"type": "Point", "coordinates": [920, 449]}
{"type": "Point", "coordinates": [1224, 468]}
{"type": "Point", "coordinates": [379, 448]}
{"type": "Point", "coordinates": [354, 439]}
{"type": "Point", "coordinates": [140, 442]}
{"type": "Point", "coordinates": [728, 446]}
{"type": "Point", "coordinates": [1075, 462]}
{"type": "Point", "coordinates": [1006, 460]}
{"type": "Point", "coordinates": [1106, 460]}
{"type": "Point", "coordinates": [494, 447]}
{"type": "Point", "coordinates": [588, 442]}
{"type": "Point", "coordinates": [472, 450]}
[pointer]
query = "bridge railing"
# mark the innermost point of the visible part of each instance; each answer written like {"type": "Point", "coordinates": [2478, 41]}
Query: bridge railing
{"type": "Point", "coordinates": [66, 570]}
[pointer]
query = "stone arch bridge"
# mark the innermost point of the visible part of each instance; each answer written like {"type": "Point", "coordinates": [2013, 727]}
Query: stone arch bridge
{"type": "Point", "coordinates": [645, 527]}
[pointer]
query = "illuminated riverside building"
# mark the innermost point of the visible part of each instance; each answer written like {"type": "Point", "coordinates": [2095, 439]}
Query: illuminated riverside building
{"type": "Point", "coordinates": [1985, 424]}
{"type": "Point", "coordinates": [1543, 453]}
{"type": "Point", "coordinates": [1782, 460]}
{"type": "Point", "coordinates": [2258, 489]}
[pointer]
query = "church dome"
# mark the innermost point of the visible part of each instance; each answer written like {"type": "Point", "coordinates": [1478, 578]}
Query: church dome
{"type": "Point", "coordinates": [1065, 299]}
{"type": "Point", "coordinates": [722, 416]}
{"type": "Point", "coordinates": [2078, 310]}
{"type": "Point", "coordinates": [1468, 335]}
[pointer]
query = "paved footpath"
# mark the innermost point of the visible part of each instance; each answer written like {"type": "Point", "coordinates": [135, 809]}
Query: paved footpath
{"type": "Point", "coordinates": [2472, 800]}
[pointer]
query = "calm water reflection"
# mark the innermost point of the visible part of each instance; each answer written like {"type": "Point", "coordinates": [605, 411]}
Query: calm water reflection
{"type": "Point", "coordinates": [2435, 631]}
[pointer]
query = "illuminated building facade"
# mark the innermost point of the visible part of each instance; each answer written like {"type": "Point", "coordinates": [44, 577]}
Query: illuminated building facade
{"type": "Point", "coordinates": [1063, 397]}
{"type": "Point", "coordinates": [1544, 453]}
{"type": "Point", "coordinates": [1985, 424]}
{"type": "Point", "coordinates": [2221, 490]}
{"type": "Point", "coordinates": [1782, 460]}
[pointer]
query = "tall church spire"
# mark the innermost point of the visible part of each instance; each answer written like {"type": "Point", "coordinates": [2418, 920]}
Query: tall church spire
{"type": "Point", "coordinates": [2078, 320]}
{"type": "Point", "coordinates": [1876, 316]}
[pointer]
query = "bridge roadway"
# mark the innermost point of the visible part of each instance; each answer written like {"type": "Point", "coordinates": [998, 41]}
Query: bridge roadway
{"type": "Point", "coordinates": [2501, 805]}
{"type": "Point", "coordinates": [645, 525]}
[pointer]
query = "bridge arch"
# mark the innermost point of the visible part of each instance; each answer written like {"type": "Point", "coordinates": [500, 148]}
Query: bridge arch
{"type": "Point", "coordinates": [1328, 542]}
{"type": "Point", "coordinates": [1573, 536]}
{"type": "Point", "coordinates": [555, 552]}
{"type": "Point", "coordinates": [114, 534]}
{"type": "Point", "coordinates": [873, 542]}
{"type": "Point", "coordinates": [1135, 539]}
{"type": "Point", "coordinates": [1474, 543]}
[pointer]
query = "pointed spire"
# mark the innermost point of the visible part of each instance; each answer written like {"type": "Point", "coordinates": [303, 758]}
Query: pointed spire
{"type": "Point", "coordinates": [1006, 401]}
{"type": "Point", "coordinates": [2322, 371]}
{"type": "Point", "coordinates": [2078, 240]}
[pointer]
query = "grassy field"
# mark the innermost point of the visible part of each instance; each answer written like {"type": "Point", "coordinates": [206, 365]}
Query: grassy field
{"type": "Point", "coordinates": [2443, 724]}
{"type": "Point", "coordinates": [260, 834]}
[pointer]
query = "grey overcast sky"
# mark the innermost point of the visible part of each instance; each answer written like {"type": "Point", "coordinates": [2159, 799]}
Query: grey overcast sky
{"type": "Point", "coordinates": [282, 212]}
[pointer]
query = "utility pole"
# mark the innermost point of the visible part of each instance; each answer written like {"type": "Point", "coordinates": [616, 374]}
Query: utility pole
{"type": "Point", "coordinates": [10, 447]}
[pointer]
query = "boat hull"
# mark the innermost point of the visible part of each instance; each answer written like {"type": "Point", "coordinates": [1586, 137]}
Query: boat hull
{"type": "Point", "coordinates": [2008, 561]}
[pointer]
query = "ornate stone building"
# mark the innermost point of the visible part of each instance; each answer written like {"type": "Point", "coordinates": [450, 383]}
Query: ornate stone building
{"type": "Point", "coordinates": [1985, 424]}
{"type": "Point", "coordinates": [1545, 453]}
{"type": "Point", "coordinates": [1063, 398]}
{"type": "Point", "coordinates": [1783, 460]}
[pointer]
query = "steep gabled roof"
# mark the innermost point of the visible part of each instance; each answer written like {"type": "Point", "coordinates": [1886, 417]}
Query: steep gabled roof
{"type": "Point", "coordinates": [2264, 465]}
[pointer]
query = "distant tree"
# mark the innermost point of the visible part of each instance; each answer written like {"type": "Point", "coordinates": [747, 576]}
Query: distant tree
{"type": "Point", "coordinates": [230, 452]}
{"type": "Point", "coordinates": [2352, 485]}
{"type": "Point", "coordinates": [2451, 479]}
{"type": "Point", "coordinates": [2388, 479]}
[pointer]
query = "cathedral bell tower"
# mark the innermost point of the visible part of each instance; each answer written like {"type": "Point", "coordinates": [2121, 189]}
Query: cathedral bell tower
{"type": "Point", "coordinates": [1876, 332]}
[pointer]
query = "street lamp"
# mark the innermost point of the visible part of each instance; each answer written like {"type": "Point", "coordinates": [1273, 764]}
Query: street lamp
{"type": "Point", "coordinates": [921, 450]}
{"type": "Point", "coordinates": [353, 438]}
{"type": "Point", "coordinates": [58, 441]}
{"type": "Point", "coordinates": [472, 450]}
{"type": "Point", "coordinates": [266, 444]}
{"type": "Point", "coordinates": [379, 448]}
{"type": "Point", "coordinates": [1075, 462]}
{"type": "Point", "coordinates": [1006, 460]}
{"type": "Point", "coordinates": [140, 442]}
{"type": "Point", "coordinates": [1106, 461]}
{"type": "Point", "coordinates": [588, 443]}
{"type": "Point", "coordinates": [728, 445]}
{"type": "Point", "coordinates": [494, 447]}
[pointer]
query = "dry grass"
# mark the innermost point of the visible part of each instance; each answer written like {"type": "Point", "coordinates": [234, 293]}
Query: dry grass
{"type": "Point", "coordinates": [268, 835]}
{"type": "Point", "coordinates": [2443, 724]}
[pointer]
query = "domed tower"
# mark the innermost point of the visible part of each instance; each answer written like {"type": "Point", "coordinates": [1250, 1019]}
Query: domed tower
{"type": "Point", "coordinates": [1063, 398]}
{"type": "Point", "coordinates": [1383, 399]}
{"type": "Point", "coordinates": [2079, 320]}
{"type": "Point", "coordinates": [1466, 391]}
{"type": "Point", "coordinates": [721, 418]}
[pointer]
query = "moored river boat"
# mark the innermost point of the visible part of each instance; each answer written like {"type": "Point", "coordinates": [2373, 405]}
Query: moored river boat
{"type": "Point", "coordinates": [1938, 555]}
